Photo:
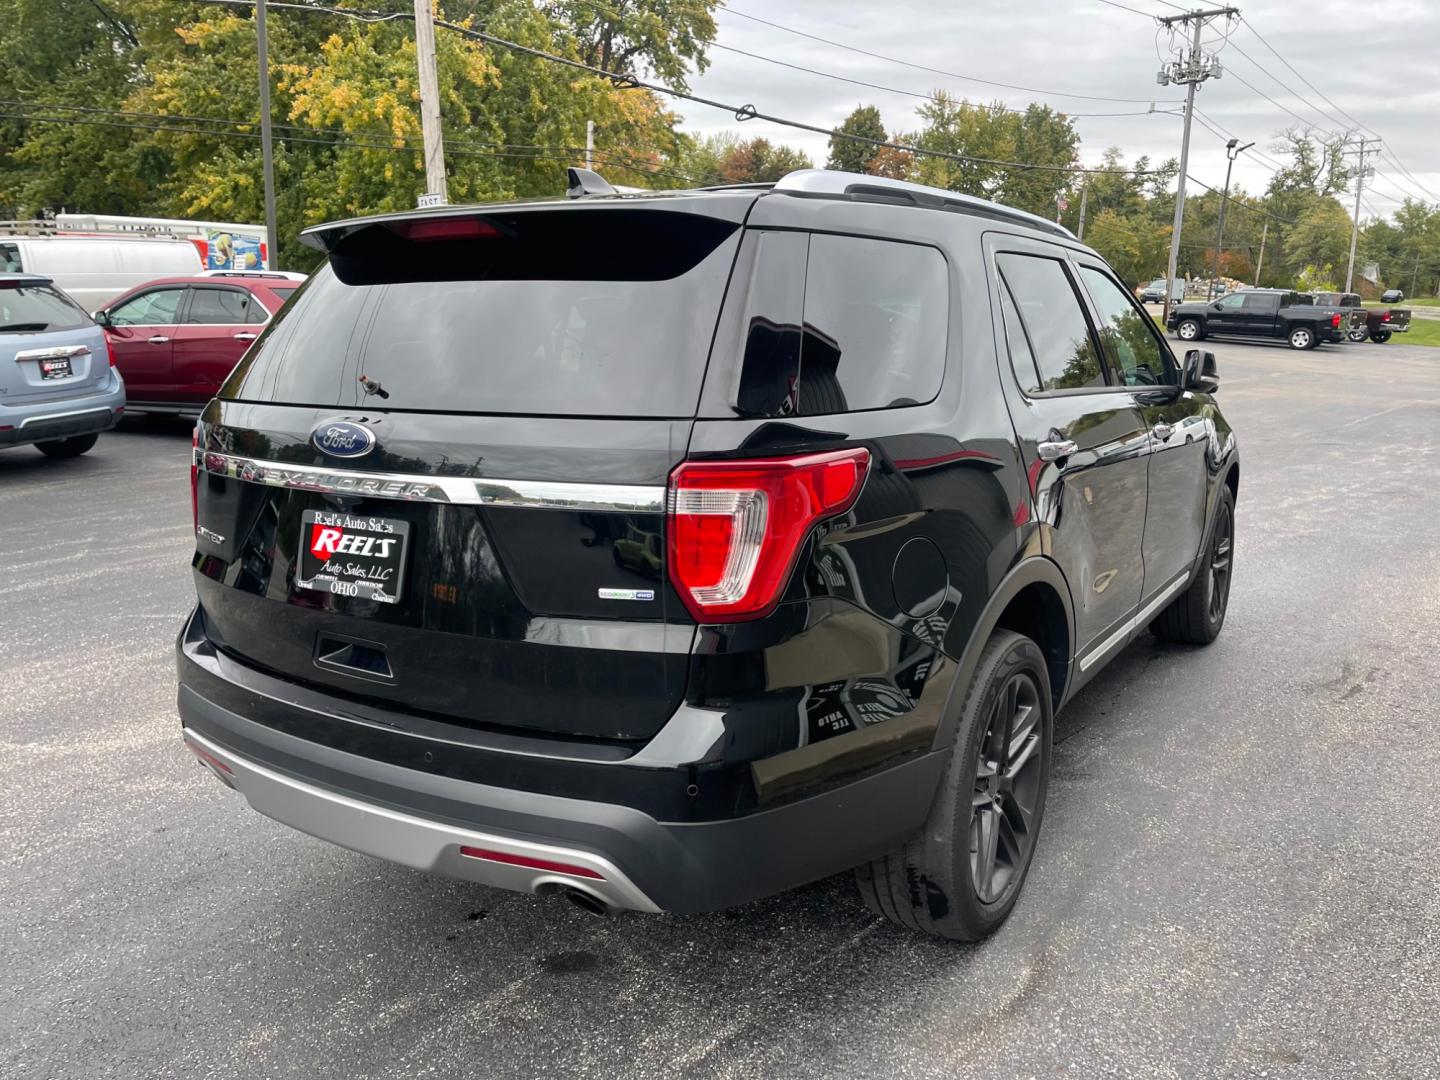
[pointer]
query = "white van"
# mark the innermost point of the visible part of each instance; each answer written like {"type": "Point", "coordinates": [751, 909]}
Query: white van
{"type": "Point", "coordinates": [93, 270]}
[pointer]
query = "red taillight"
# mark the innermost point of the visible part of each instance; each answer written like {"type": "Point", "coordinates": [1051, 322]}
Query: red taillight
{"type": "Point", "coordinates": [446, 229]}
{"type": "Point", "coordinates": [1385, 317]}
{"type": "Point", "coordinates": [110, 350]}
{"type": "Point", "coordinates": [1335, 320]}
{"type": "Point", "coordinates": [736, 527]}
{"type": "Point", "coordinates": [533, 864]}
{"type": "Point", "coordinates": [195, 477]}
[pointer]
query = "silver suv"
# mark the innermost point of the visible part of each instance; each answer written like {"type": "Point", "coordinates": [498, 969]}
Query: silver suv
{"type": "Point", "coordinates": [58, 384]}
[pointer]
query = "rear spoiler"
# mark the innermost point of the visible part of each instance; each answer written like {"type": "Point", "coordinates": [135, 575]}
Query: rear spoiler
{"type": "Point", "coordinates": [22, 281]}
{"type": "Point", "coordinates": [725, 206]}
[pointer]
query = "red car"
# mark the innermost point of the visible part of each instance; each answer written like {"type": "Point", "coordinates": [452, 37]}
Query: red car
{"type": "Point", "coordinates": [175, 339]}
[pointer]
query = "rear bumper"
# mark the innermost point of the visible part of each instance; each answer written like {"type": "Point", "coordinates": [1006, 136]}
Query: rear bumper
{"type": "Point", "coordinates": [421, 817]}
{"type": "Point", "coordinates": [65, 418]}
{"type": "Point", "coordinates": [505, 862]}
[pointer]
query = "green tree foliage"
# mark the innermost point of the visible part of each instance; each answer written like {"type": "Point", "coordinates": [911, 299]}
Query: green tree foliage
{"type": "Point", "coordinates": [1039, 136]}
{"type": "Point", "coordinates": [1319, 238]}
{"type": "Point", "coordinates": [664, 38]}
{"type": "Point", "coordinates": [757, 161]}
{"type": "Point", "coordinates": [849, 155]}
{"type": "Point", "coordinates": [345, 102]}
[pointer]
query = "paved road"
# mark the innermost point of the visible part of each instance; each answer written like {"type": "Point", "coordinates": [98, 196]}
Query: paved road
{"type": "Point", "coordinates": [1240, 873]}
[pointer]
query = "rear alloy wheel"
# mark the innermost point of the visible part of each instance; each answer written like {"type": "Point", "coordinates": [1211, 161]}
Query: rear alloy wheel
{"type": "Point", "coordinates": [1380, 337]}
{"type": "Point", "coordinates": [1189, 330]}
{"type": "Point", "coordinates": [1302, 337]}
{"type": "Point", "coordinates": [67, 448]}
{"type": "Point", "coordinates": [1357, 335]}
{"type": "Point", "coordinates": [961, 874]}
{"type": "Point", "coordinates": [1196, 615]}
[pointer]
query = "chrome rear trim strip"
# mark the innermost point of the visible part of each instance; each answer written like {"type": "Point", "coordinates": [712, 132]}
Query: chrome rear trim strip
{"type": "Point", "coordinates": [59, 352]}
{"type": "Point", "coordinates": [458, 490]}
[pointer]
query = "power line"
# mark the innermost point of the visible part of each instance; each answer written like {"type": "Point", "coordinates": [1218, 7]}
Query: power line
{"type": "Point", "coordinates": [923, 67]}
{"type": "Point", "coordinates": [634, 165]}
{"type": "Point", "coordinates": [741, 112]}
{"type": "Point", "coordinates": [1243, 205]}
{"type": "Point", "coordinates": [909, 93]}
{"type": "Point", "coordinates": [1251, 27]}
{"type": "Point", "coordinates": [1124, 7]}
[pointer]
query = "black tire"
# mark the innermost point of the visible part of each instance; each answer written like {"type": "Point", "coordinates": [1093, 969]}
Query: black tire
{"type": "Point", "coordinates": [1356, 335]}
{"type": "Point", "coordinates": [930, 883]}
{"type": "Point", "coordinates": [1380, 337]}
{"type": "Point", "coordinates": [1194, 328]}
{"type": "Point", "coordinates": [67, 448]}
{"type": "Point", "coordinates": [1302, 337]}
{"type": "Point", "coordinates": [1196, 615]}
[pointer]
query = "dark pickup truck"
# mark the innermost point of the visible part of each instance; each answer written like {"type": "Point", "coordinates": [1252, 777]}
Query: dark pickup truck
{"type": "Point", "coordinates": [1263, 313]}
{"type": "Point", "coordinates": [1375, 323]}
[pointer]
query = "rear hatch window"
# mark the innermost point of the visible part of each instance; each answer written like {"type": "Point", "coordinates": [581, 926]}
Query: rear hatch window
{"type": "Point", "coordinates": [38, 309]}
{"type": "Point", "coordinates": [567, 313]}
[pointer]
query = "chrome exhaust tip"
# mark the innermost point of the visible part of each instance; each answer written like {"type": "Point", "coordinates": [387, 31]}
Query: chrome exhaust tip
{"type": "Point", "coordinates": [587, 902]}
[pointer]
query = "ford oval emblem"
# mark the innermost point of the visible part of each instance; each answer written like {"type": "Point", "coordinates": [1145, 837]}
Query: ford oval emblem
{"type": "Point", "coordinates": [341, 438]}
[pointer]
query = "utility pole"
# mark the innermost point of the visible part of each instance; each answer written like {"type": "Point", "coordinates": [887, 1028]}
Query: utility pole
{"type": "Point", "coordinates": [1191, 72]}
{"type": "Point", "coordinates": [433, 139]}
{"type": "Point", "coordinates": [1232, 151]}
{"type": "Point", "coordinates": [1260, 262]}
{"type": "Point", "coordinates": [590, 145]}
{"type": "Point", "coordinates": [1084, 197]}
{"type": "Point", "coordinates": [1355, 225]}
{"type": "Point", "coordinates": [267, 152]}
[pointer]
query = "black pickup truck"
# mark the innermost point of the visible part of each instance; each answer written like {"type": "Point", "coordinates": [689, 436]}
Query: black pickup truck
{"type": "Point", "coordinates": [1263, 313]}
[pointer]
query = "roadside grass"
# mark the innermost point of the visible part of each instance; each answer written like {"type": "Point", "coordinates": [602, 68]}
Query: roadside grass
{"type": "Point", "coordinates": [1409, 301]}
{"type": "Point", "coordinates": [1421, 332]}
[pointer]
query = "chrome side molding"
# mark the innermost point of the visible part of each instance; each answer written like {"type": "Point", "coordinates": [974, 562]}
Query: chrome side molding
{"type": "Point", "coordinates": [457, 490]}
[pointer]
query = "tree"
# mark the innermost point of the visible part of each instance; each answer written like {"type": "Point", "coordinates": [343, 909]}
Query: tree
{"type": "Point", "coordinates": [1036, 138]}
{"type": "Point", "coordinates": [180, 81]}
{"type": "Point", "coordinates": [849, 155]}
{"type": "Point", "coordinates": [1319, 238]}
{"type": "Point", "coordinates": [757, 161]}
{"type": "Point", "coordinates": [665, 38]}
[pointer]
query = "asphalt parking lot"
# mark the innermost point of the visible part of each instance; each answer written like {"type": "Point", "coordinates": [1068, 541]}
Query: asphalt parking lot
{"type": "Point", "coordinates": [1239, 875]}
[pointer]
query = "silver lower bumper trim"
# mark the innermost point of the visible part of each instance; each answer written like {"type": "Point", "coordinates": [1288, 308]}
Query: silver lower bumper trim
{"type": "Point", "coordinates": [419, 842]}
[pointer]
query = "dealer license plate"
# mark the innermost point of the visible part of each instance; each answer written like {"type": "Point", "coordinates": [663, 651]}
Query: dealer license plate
{"type": "Point", "coordinates": [55, 369]}
{"type": "Point", "coordinates": [352, 555]}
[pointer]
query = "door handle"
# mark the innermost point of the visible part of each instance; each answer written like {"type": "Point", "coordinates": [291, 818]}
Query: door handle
{"type": "Point", "coordinates": [244, 336]}
{"type": "Point", "coordinates": [158, 339]}
{"type": "Point", "coordinates": [1054, 451]}
{"type": "Point", "coordinates": [1162, 430]}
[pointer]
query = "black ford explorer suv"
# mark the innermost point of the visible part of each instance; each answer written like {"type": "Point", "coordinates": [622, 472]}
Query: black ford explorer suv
{"type": "Point", "coordinates": [670, 551]}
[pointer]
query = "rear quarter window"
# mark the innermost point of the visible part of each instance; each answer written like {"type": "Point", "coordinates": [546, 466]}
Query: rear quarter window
{"type": "Point", "coordinates": [838, 324]}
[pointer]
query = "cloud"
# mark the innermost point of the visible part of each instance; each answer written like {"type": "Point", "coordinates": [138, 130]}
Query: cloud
{"type": "Point", "coordinates": [1380, 70]}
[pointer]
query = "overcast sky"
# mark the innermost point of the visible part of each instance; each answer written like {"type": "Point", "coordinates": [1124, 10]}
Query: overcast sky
{"type": "Point", "coordinates": [1379, 62]}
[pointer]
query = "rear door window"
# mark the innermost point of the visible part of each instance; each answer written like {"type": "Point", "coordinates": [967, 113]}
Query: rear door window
{"type": "Point", "coordinates": [570, 313]}
{"type": "Point", "coordinates": [1054, 322]}
{"type": "Point", "coordinates": [875, 321]}
{"type": "Point", "coordinates": [216, 306]}
{"type": "Point", "coordinates": [10, 261]}
{"type": "Point", "coordinates": [37, 308]}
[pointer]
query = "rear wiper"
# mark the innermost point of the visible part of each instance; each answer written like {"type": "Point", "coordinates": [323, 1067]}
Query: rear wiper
{"type": "Point", "coordinates": [25, 326]}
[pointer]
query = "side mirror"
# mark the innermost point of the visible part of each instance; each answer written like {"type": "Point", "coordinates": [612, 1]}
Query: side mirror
{"type": "Point", "coordinates": [101, 317]}
{"type": "Point", "coordinates": [1200, 374]}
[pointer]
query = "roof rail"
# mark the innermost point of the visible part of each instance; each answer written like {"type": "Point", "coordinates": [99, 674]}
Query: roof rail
{"type": "Point", "coordinates": [831, 182]}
